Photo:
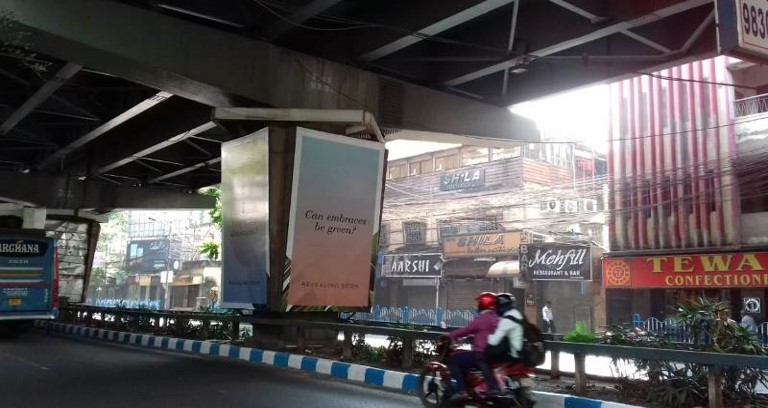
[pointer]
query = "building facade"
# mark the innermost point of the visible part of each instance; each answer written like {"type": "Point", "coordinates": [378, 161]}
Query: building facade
{"type": "Point", "coordinates": [453, 222]}
{"type": "Point", "coordinates": [687, 190]}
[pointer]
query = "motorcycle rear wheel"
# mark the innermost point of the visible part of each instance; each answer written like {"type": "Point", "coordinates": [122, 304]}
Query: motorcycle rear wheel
{"type": "Point", "coordinates": [432, 389]}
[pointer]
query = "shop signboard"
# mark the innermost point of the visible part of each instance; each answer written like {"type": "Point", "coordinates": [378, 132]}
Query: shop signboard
{"type": "Point", "coordinates": [413, 266]}
{"type": "Point", "coordinates": [462, 180]}
{"type": "Point", "coordinates": [148, 255]}
{"type": "Point", "coordinates": [742, 29]}
{"type": "Point", "coordinates": [478, 245]}
{"type": "Point", "coordinates": [333, 224]}
{"type": "Point", "coordinates": [723, 270]}
{"type": "Point", "coordinates": [556, 262]}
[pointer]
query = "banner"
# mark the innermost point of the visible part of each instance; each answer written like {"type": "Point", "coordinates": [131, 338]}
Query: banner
{"type": "Point", "coordinates": [334, 221]}
{"type": "Point", "coordinates": [554, 261]}
{"type": "Point", "coordinates": [413, 266]}
{"type": "Point", "coordinates": [245, 221]}
{"type": "Point", "coordinates": [726, 270]}
{"type": "Point", "coordinates": [496, 243]}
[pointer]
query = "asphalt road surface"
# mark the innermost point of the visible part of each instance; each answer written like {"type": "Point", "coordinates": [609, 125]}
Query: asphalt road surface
{"type": "Point", "coordinates": [39, 371]}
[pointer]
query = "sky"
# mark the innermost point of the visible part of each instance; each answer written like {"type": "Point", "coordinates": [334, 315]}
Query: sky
{"type": "Point", "coordinates": [580, 115]}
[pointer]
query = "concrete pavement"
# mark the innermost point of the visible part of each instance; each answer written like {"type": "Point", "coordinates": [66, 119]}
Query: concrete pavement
{"type": "Point", "coordinates": [42, 371]}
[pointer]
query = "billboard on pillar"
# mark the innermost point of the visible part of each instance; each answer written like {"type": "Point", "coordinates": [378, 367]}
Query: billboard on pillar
{"type": "Point", "coordinates": [333, 223]}
{"type": "Point", "coordinates": [245, 221]}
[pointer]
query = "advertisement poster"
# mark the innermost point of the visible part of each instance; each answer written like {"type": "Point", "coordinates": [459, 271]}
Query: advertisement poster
{"type": "Point", "coordinates": [554, 261]}
{"type": "Point", "coordinates": [712, 271]}
{"type": "Point", "coordinates": [334, 221]}
{"type": "Point", "coordinates": [245, 221]}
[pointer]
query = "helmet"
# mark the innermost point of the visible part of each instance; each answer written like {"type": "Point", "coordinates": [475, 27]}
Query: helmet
{"type": "Point", "coordinates": [486, 301]}
{"type": "Point", "coordinates": [505, 302]}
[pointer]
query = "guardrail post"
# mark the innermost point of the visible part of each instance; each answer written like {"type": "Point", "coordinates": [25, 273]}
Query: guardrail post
{"type": "Point", "coordinates": [580, 373]}
{"type": "Point", "coordinates": [235, 330]}
{"type": "Point", "coordinates": [714, 387]}
{"type": "Point", "coordinates": [407, 353]}
{"type": "Point", "coordinates": [346, 345]}
{"type": "Point", "coordinates": [206, 327]}
{"type": "Point", "coordinates": [301, 342]}
{"type": "Point", "coordinates": [438, 316]}
{"type": "Point", "coordinates": [377, 313]}
{"type": "Point", "coordinates": [554, 371]}
{"type": "Point", "coordinates": [88, 318]}
{"type": "Point", "coordinates": [406, 316]}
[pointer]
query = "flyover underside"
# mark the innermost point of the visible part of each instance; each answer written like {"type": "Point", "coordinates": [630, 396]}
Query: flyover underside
{"type": "Point", "coordinates": [131, 83]}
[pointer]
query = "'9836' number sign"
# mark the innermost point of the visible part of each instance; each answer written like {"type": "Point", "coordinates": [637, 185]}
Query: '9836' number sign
{"type": "Point", "coordinates": [753, 24]}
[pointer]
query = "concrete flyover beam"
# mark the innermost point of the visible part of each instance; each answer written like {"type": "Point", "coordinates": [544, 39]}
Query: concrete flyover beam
{"type": "Point", "coordinates": [215, 67]}
{"type": "Point", "coordinates": [72, 193]}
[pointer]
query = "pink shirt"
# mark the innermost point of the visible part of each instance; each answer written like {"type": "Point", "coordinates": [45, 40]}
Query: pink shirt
{"type": "Point", "coordinates": [481, 327]}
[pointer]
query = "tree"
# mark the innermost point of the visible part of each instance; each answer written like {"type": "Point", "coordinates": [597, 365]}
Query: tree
{"type": "Point", "coordinates": [212, 249]}
{"type": "Point", "coordinates": [13, 45]}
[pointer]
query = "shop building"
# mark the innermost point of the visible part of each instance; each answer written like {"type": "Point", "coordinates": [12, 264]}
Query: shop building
{"type": "Point", "coordinates": [454, 220]}
{"type": "Point", "coordinates": [688, 194]}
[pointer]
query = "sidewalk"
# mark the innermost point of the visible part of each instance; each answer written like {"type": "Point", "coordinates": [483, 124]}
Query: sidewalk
{"type": "Point", "coordinates": [392, 380]}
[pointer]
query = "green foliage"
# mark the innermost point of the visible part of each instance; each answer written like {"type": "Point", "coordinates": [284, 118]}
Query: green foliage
{"type": "Point", "coordinates": [98, 277]}
{"type": "Point", "coordinates": [683, 385]}
{"type": "Point", "coordinates": [580, 334]}
{"type": "Point", "coordinates": [121, 275]}
{"type": "Point", "coordinates": [211, 250]}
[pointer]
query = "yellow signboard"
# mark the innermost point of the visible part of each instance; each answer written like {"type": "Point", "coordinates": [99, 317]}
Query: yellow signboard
{"type": "Point", "coordinates": [497, 243]}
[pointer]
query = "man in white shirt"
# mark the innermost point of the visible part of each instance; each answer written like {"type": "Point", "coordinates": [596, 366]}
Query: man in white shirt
{"type": "Point", "coordinates": [549, 318]}
{"type": "Point", "coordinates": [508, 329]}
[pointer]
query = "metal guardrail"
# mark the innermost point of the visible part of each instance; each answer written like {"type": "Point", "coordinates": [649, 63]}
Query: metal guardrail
{"type": "Point", "coordinates": [716, 361]}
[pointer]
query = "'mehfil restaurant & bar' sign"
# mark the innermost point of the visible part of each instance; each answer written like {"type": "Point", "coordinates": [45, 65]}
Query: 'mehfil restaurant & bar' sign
{"type": "Point", "coordinates": [725, 270]}
{"type": "Point", "coordinates": [551, 261]}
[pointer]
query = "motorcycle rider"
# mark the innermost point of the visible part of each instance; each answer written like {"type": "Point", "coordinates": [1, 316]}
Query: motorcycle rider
{"type": "Point", "coordinates": [508, 329]}
{"type": "Point", "coordinates": [480, 328]}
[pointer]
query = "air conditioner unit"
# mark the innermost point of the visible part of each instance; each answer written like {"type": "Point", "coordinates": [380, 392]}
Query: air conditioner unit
{"type": "Point", "coordinates": [589, 205]}
{"type": "Point", "coordinates": [571, 206]}
{"type": "Point", "coordinates": [551, 206]}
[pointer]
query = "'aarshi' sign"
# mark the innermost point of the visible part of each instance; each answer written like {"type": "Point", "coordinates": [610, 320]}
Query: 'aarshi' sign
{"type": "Point", "coordinates": [498, 243]}
{"type": "Point", "coordinates": [727, 270]}
{"type": "Point", "coordinates": [462, 180]}
{"type": "Point", "coordinates": [413, 266]}
{"type": "Point", "coordinates": [551, 261]}
{"type": "Point", "coordinates": [22, 248]}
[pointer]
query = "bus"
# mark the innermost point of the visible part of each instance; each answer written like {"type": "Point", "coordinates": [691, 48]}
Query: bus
{"type": "Point", "coordinates": [29, 280]}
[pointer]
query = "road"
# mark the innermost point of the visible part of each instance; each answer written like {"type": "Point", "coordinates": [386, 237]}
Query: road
{"type": "Point", "coordinates": [48, 371]}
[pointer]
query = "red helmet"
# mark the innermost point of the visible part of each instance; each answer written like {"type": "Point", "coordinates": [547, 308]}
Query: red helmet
{"type": "Point", "coordinates": [486, 301]}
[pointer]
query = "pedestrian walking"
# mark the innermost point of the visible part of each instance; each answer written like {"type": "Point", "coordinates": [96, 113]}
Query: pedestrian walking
{"type": "Point", "coordinates": [549, 317]}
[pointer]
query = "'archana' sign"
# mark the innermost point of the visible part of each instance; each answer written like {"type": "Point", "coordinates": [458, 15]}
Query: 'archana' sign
{"type": "Point", "coordinates": [413, 266]}
{"type": "Point", "coordinates": [462, 180]}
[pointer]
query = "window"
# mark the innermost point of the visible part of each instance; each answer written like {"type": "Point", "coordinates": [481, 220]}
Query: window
{"type": "Point", "coordinates": [663, 113]}
{"type": "Point", "coordinates": [474, 155]}
{"type": "Point", "coordinates": [505, 153]}
{"type": "Point", "coordinates": [646, 198]}
{"type": "Point", "coordinates": [447, 162]}
{"type": "Point", "coordinates": [420, 167]}
{"type": "Point", "coordinates": [414, 233]}
{"type": "Point", "coordinates": [398, 171]}
{"type": "Point", "coordinates": [711, 193]}
{"type": "Point", "coordinates": [688, 193]}
{"type": "Point", "coordinates": [384, 235]}
{"type": "Point", "coordinates": [666, 196]}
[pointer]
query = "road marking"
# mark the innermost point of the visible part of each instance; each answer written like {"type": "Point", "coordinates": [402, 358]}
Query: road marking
{"type": "Point", "coordinates": [21, 360]}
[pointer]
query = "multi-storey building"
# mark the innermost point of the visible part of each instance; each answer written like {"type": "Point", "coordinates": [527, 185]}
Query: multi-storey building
{"type": "Point", "coordinates": [453, 221]}
{"type": "Point", "coordinates": [688, 189]}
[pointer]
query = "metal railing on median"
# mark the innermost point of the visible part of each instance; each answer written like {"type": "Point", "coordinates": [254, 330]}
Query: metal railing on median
{"type": "Point", "coordinates": [155, 320]}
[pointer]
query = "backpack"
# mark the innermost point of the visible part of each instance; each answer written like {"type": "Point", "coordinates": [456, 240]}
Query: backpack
{"type": "Point", "coordinates": [534, 349]}
{"type": "Point", "coordinates": [533, 352]}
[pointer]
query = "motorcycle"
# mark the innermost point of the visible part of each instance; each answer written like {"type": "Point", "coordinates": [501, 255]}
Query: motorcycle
{"type": "Point", "coordinates": [435, 381]}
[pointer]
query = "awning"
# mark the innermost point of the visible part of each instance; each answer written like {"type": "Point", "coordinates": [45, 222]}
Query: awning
{"type": "Point", "coordinates": [504, 268]}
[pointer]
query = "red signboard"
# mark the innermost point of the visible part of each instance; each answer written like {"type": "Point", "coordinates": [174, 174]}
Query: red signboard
{"type": "Point", "coordinates": [732, 270]}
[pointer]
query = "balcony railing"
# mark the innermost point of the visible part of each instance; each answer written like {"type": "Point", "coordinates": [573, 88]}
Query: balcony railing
{"type": "Point", "coordinates": [753, 105]}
